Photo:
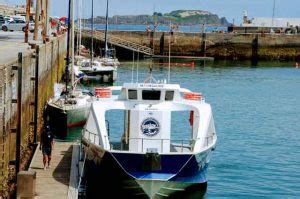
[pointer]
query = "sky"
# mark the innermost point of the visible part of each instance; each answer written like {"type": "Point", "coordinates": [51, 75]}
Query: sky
{"type": "Point", "coordinates": [231, 9]}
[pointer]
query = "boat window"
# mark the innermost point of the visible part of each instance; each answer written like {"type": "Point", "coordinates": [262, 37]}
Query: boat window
{"type": "Point", "coordinates": [132, 94]}
{"type": "Point", "coordinates": [151, 95]}
{"type": "Point", "coordinates": [169, 95]}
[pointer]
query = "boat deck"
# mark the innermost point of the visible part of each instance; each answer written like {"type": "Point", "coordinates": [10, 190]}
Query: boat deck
{"type": "Point", "coordinates": [55, 182]}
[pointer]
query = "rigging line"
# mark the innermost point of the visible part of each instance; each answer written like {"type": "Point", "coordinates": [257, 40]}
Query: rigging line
{"type": "Point", "coordinates": [92, 57]}
{"type": "Point", "coordinates": [106, 27]}
{"type": "Point", "coordinates": [132, 70]}
{"type": "Point", "coordinates": [137, 66]}
{"type": "Point", "coordinates": [169, 67]}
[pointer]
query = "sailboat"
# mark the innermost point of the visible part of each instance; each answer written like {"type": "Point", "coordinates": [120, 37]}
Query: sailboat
{"type": "Point", "coordinates": [109, 58]}
{"type": "Point", "coordinates": [71, 107]}
{"type": "Point", "coordinates": [104, 69]}
{"type": "Point", "coordinates": [142, 159]}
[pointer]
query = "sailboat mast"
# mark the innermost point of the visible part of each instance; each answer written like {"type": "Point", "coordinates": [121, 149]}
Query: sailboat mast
{"type": "Point", "coordinates": [68, 47]}
{"type": "Point", "coordinates": [92, 59]}
{"type": "Point", "coordinates": [106, 27]}
{"type": "Point", "coordinates": [72, 41]}
{"type": "Point", "coordinates": [80, 25]}
{"type": "Point", "coordinates": [169, 66]}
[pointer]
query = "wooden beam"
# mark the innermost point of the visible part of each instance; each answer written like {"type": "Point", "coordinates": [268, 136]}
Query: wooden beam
{"type": "Point", "coordinates": [27, 20]}
{"type": "Point", "coordinates": [37, 19]}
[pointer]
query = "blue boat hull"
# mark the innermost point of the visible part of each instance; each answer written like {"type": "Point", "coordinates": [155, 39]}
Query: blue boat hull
{"type": "Point", "coordinates": [130, 175]}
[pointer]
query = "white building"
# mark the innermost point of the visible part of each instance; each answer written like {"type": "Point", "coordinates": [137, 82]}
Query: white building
{"type": "Point", "coordinates": [272, 22]}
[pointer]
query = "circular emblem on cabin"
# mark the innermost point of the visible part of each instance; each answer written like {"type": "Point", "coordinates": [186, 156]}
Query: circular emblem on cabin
{"type": "Point", "coordinates": [150, 127]}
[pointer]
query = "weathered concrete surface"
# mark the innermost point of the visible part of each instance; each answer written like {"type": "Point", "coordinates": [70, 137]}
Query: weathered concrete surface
{"type": "Point", "coordinates": [218, 45]}
{"type": "Point", "coordinates": [51, 66]}
{"type": "Point", "coordinates": [54, 182]}
{"type": "Point", "coordinates": [11, 43]}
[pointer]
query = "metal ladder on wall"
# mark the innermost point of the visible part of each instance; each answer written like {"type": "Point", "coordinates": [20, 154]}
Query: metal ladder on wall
{"type": "Point", "coordinates": [120, 42]}
{"type": "Point", "coordinates": [3, 166]}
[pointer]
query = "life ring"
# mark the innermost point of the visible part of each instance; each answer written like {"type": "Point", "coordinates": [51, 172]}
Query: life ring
{"type": "Point", "coordinates": [193, 96]}
{"type": "Point", "coordinates": [103, 92]}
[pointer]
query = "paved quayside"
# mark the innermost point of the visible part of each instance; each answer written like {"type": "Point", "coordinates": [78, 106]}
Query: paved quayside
{"type": "Point", "coordinates": [11, 43]}
{"type": "Point", "coordinates": [60, 181]}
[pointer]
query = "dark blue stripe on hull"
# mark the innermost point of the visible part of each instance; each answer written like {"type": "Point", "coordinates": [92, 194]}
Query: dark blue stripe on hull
{"type": "Point", "coordinates": [184, 168]}
{"type": "Point", "coordinates": [108, 177]}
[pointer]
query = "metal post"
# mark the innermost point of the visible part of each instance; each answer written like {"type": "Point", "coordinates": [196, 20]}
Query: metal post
{"type": "Point", "coordinates": [36, 94]}
{"type": "Point", "coordinates": [37, 19]}
{"type": "Point", "coordinates": [19, 114]}
{"type": "Point", "coordinates": [27, 20]}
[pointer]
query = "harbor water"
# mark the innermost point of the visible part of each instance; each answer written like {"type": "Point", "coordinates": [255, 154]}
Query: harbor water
{"type": "Point", "coordinates": [160, 28]}
{"type": "Point", "coordinates": [257, 117]}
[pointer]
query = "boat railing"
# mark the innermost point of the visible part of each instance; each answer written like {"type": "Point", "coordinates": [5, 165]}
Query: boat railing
{"type": "Point", "coordinates": [176, 145]}
{"type": "Point", "coordinates": [209, 140]}
{"type": "Point", "coordinates": [92, 137]}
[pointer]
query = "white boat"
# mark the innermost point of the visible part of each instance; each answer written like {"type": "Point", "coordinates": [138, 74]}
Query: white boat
{"type": "Point", "coordinates": [94, 70]}
{"type": "Point", "coordinates": [103, 69]}
{"type": "Point", "coordinates": [68, 111]}
{"type": "Point", "coordinates": [109, 58]}
{"type": "Point", "coordinates": [144, 161]}
{"type": "Point", "coordinates": [70, 108]}
{"type": "Point", "coordinates": [109, 61]}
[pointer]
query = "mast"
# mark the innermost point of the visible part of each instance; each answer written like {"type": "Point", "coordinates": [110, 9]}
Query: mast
{"type": "Point", "coordinates": [169, 66]}
{"type": "Point", "coordinates": [273, 12]}
{"type": "Point", "coordinates": [80, 25]}
{"type": "Point", "coordinates": [72, 42]}
{"type": "Point", "coordinates": [92, 59]}
{"type": "Point", "coordinates": [68, 47]}
{"type": "Point", "coordinates": [106, 26]}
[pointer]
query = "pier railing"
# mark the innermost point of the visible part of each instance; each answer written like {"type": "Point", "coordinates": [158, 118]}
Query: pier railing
{"type": "Point", "coordinates": [120, 42]}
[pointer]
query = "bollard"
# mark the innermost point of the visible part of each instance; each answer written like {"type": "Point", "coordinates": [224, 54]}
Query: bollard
{"type": "Point", "coordinates": [26, 184]}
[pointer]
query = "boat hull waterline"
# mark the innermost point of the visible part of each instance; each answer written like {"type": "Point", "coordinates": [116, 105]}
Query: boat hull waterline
{"type": "Point", "coordinates": [145, 174]}
{"type": "Point", "coordinates": [61, 120]}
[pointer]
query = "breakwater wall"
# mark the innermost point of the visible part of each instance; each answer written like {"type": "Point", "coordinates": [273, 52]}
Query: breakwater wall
{"type": "Point", "coordinates": [218, 45]}
{"type": "Point", "coordinates": [26, 84]}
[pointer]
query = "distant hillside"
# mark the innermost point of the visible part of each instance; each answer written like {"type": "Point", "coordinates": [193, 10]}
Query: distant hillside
{"type": "Point", "coordinates": [180, 17]}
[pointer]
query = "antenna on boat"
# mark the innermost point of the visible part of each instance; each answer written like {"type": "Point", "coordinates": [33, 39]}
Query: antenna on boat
{"type": "Point", "coordinates": [106, 27]}
{"type": "Point", "coordinates": [150, 78]}
{"type": "Point", "coordinates": [68, 47]}
{"type": "Point", "coordinates": [169, 66]}
{"type": "Point", "coordinates": [92, 59]}
{"type": "Point", "coordinates": [132, 67]}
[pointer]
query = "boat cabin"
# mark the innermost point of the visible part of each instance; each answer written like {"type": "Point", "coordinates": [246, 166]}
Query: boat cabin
{"type": "Point", "coordinates": [148, 112]}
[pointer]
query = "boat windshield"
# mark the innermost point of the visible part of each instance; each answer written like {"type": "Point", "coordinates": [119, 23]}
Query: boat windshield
{"type": "Point", "coordinates": [151, 95]}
